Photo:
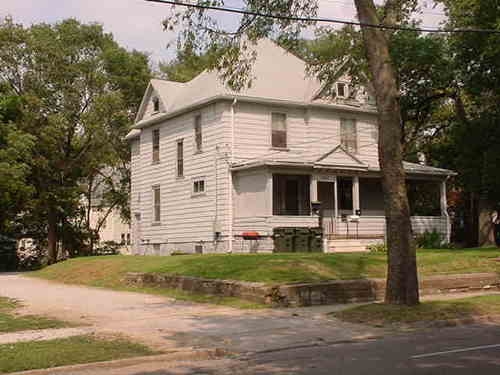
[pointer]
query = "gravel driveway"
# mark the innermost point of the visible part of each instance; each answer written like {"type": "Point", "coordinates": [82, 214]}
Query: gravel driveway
{"type": "Point", "coordinates": [169, 324]}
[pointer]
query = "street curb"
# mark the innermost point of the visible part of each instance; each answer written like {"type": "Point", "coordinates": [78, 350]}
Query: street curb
{"type": "Point", "coordinates": [193, 355]}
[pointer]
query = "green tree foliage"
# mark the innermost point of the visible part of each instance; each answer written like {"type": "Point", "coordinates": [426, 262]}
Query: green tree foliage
{"type": "Point", "coordinates": [187, 64]}
{"type": "Point", "coordinates": [79, 93]}
{"type": "Point", "coordinates": [15, 150]}
{"type": "Point", "coordinates": [471, 144]}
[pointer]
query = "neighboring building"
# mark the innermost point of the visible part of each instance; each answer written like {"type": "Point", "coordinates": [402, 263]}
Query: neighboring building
{"type": "Point", "coordinates": [112, 228]}
{"type": "Point", "coordinates": [209, 164]}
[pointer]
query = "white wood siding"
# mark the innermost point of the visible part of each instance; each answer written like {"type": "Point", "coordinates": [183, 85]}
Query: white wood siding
{"type": "Point", "coordinates": [184, 216]}
{"type": "Point", "coordinates": [315, 130]}
{"type": "Point", "coordinates": [251, 198]}
{"type": "Point", "coordinates": [253, 130]}
{"type": "Point", "coordinates": [421, 224]}
{"type": "Point", "coordinates": [323, 130]}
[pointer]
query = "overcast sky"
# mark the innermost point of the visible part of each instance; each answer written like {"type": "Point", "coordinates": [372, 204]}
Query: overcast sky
{"type": "Point", "coordinates": [137, 24]}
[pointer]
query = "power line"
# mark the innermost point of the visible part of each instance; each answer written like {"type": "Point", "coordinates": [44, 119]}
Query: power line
{"type": "Point", "coordinates": [320, 19]}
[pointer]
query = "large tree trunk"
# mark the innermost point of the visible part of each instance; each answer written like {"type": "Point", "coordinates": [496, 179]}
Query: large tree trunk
{"type": "Point", "coordinates": [402, 280]}
{"type": "Point", "coordinates": [52, 236]}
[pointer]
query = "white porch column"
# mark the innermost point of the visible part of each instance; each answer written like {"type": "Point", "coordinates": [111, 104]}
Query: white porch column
{"type": "Point", "coordinates": [335, 198]}
{"type": "Point", "coordinates": [355, 194]}
{"type": "Point", "coordinates": [444, 203]}
{"type": "Point", "coordinates": [269, 198]}
{"type": "Point", "coordinates": [313, 190]}
{"type": "Point", "coordinates": [444, 211]}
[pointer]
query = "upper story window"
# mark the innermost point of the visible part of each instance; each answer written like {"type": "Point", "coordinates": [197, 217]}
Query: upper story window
{"type": "Point", "coordinates": [156, 104]}
{"type": "Point", "coordinates": [278, 126]}
{"type": "Point", "coordinates": [156, 204]}
{"type": "Point", "coordinates": [198, 136]}
{"type": "Point", "coordinates": [348, 135]}
{"type": "Point", "coordinates": [156, 145]}
{"type": "Point", "coordinates": [342, 91]}
{"type": "Point", "coordinates": [180, 158]}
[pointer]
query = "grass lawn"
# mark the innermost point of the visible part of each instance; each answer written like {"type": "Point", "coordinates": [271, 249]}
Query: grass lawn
{"type": "Point", "coordinates": [107, 271]}
{"type": "Point", "coordinates": [61, 352]}
{"type": "Point", "coordinates": [379, 314]}
{"type": "Point", "coordinates": [10, 322]}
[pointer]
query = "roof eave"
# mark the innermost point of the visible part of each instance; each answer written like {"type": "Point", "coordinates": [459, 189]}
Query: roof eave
{"type": "Point", "coordinates": [250, 99]}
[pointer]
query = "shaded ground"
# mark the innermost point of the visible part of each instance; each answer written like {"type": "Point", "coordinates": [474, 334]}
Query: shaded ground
{"type": "Point", "coordinates": [428, 311]}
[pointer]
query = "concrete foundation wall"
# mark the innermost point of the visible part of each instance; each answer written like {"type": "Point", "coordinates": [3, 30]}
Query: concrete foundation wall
{"type": "Point", "coordinates": [307, 294]}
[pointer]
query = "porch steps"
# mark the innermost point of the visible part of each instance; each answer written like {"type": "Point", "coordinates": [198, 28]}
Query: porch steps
{"type": "Point", "coordinates": [351, 245]}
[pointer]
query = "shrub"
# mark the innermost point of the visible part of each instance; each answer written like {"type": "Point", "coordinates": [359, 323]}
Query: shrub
{"type": "Point", "coordinates": [377, 248]}
{"type": "Point", "coordinates": [30, 258]}
{"type": "Point", "coordinates": [107, 248]}
{"type": "Point", "coordinates": [431, 240]}
{"type": "Point", "coordinates": [8, 254]}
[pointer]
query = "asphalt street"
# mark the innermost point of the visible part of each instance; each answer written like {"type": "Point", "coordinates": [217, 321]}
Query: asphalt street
{"type": "Point", "coordinates": [465, 350]}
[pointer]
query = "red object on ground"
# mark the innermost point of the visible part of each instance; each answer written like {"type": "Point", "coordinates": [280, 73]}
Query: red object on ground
{"type": "Point", "coordinates": [250, 235]}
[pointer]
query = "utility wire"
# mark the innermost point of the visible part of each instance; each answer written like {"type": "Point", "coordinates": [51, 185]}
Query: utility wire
{"type": "Point", "coordinates": [320, 19]}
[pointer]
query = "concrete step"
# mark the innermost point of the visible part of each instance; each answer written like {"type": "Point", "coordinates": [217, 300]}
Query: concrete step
{"type": "Point", "coordinates": [350, 245]}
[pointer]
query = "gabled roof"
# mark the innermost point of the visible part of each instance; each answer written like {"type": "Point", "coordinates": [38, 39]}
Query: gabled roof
{"type": "Point", "coordinates": [339, 156]}
{"type": "Point", "coordinates": [277, 76]}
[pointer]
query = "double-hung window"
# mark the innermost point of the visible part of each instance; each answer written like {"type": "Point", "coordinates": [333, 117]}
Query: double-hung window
{"type": "Point", "coordinates": [198, 186]}
{"type": "Point", "coordinates": [180, 158]}
{"type": "Point", "coordinates": [198, 136]}
{"type": "Point", "coordinates": [348, 135]}
{"type": "Point", "coordinates": [156, 204]}
{"type": "Point", "coordinates": [278, 130]}
{"type": "Point", "coordinates": [156, 145]}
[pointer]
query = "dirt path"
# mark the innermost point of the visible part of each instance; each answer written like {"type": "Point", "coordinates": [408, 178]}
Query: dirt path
{"type": "Point", "coordinates": [168, 324]}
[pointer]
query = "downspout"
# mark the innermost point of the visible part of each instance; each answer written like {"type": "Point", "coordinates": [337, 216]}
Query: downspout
{"type": "Point", "coordinates": [230, 180]}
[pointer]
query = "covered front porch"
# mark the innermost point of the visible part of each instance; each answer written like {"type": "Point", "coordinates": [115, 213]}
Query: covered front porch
{"type": "Point", "coordinates": [350, 205]}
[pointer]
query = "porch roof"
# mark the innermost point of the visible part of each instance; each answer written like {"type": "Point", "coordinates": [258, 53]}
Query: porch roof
{"type": "Point", "coordinates": [337, 159]}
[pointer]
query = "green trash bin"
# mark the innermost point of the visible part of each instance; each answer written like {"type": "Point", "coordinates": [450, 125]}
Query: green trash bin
{"type": "Point", "coordinates": [283, 240]}
{"type": "Point", "coordinates": [316, 244]}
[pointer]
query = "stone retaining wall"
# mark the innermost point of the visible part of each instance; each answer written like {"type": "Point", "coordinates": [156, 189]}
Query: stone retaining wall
{"type": "Point", "coordinates": [308, 294]}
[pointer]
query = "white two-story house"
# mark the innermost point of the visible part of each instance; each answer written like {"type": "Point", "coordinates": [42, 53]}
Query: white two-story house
{"type": "Point", "coordinates": [210, 164]}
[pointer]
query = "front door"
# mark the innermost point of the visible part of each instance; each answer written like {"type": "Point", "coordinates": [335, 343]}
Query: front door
{"type": "Point", "coordinates": [345, 195]}
{"type": "Point", "coordinates": [326, 195]}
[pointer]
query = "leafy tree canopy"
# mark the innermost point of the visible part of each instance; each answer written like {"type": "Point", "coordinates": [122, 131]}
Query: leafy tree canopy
{"type": "Point", "coordinates": [79, 92]}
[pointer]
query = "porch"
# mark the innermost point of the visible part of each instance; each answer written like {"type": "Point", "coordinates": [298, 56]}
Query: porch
{"type": "Point", "coordinates": [350, 208]}
{"type": "Point", "coordinates": [347, 204]}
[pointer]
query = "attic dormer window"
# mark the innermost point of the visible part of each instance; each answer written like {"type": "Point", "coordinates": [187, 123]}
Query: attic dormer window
{"type": "Point", "coordinates": [156, 104]}
{"type": "Point", "coordinates": [341, 90]}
